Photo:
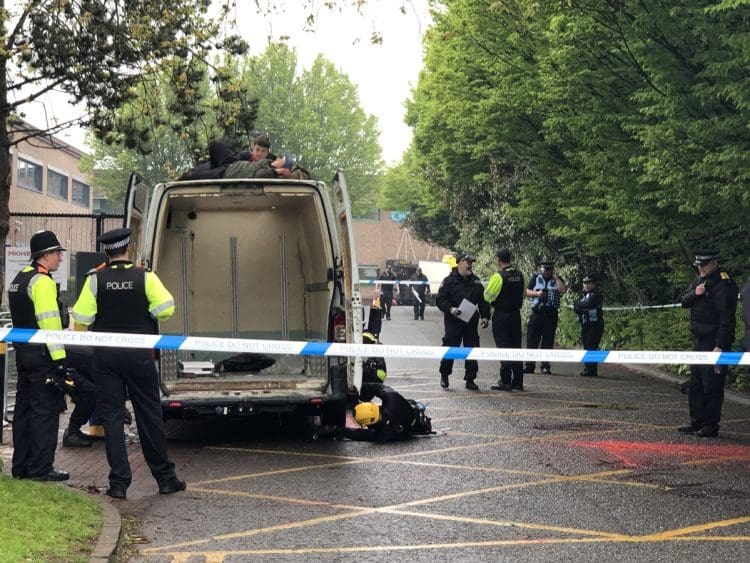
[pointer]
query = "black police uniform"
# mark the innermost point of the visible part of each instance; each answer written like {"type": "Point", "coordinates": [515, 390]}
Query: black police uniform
{"type": "Point", "coordinates": [386, 293]}
{"type": "Point", "coordinates": [398, 417]}
{"type": "Point", "coordinates": [506, 324]}
{"type": "Point", "coordinates": [81, 358]}
{"type": "Point", "coordinates": [590, 315]}
{"type": "Point", "coordinates": [543, 320]}
{"type": "Point", "coordinates": [122, 305]}
{"type": "Point", "coordinates": [36, 416]}
{"type": "Point", "coordinates": [712, 324]}
{"type": "Point", "coordinates": [421, 290]}
{"type": "Point", "coordinates": [745, 295]}
{"type": "Point", "coordinates": [453, 290]}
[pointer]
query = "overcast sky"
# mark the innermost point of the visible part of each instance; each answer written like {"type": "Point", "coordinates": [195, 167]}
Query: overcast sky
{"type": "Point", "coordinates": [384, 73]}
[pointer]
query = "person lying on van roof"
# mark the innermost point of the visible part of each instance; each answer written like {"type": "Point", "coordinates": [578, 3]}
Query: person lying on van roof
{"type": "Point", "coordinates": [260, 149]}
{"type": "Point", "coordinates": [224, 163]}
{"type": "Point", "coordinates": [282, 167]}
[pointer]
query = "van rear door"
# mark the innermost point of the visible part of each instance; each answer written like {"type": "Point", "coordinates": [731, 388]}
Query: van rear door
{"type": "Point", "coordinates": [349, 269]}
{"type": "Point", "coordinates": [136, 211]}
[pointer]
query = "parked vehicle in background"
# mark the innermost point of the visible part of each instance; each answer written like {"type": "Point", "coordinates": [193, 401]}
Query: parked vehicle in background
{"type": "Point", "coordinates": [403, 269]}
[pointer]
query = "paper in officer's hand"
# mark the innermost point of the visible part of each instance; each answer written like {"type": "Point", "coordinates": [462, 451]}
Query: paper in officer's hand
{"type": "Point", "coordinates": [467, 309]}
{"type": "Point", "coordinates": [415, 294]}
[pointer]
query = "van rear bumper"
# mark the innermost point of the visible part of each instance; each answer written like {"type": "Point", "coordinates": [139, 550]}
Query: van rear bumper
{"type": "Point", "coordinates": [194, 409]}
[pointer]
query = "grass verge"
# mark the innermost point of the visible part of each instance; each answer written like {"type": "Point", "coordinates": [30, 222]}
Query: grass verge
{"type": "Point", "coordinates": [45, 522]}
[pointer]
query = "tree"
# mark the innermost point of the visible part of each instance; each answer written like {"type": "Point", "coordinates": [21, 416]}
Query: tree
{"type": "Point", "coordinates": [314, 116]}
{"type": "Point", "coordinates": [614, 134]}
{"type": "Point", "coordinates": [317, 117]}
{"type": "Point", "coordinates": [99, 52]}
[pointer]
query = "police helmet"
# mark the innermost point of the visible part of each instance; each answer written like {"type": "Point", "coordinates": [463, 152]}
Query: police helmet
{"type": "Point", "coordinates": [44, 242]}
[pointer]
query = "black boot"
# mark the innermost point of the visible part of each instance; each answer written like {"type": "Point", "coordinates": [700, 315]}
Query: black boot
{"type": "Point", "coordinates": [74, 438]}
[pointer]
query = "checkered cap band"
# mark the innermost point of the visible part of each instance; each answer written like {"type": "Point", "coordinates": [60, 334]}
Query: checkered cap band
{"type": "Point", "coordinates": [115, 245]}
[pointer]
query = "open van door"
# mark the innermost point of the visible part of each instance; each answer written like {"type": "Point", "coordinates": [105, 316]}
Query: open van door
{"type": "Point", "coordinates": [350, 270]}
{"type": "Point", "coordinates": [136, 209]}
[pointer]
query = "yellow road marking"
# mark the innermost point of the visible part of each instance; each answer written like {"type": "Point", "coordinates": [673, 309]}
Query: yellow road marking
{"type": "Point", "coordinates": [220, 555]}
{"type": "Point", "coordinates": [696, 528]}
{"type": "Point", "coordinates": [278, 472]}
{"type": "Point", "coordinates": [275, 498]}
{"type": "Point", "coordinates": [504, 523]}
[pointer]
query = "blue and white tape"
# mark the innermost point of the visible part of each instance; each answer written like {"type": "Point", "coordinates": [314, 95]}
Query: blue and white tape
{"type": "Point", "coordinates": [393, 282]}
{"type": "Point", "coordinates": [301, 348]}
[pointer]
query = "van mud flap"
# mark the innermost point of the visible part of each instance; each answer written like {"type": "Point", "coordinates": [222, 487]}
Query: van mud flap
{"type": "Point", "coordinates": [333, 412]}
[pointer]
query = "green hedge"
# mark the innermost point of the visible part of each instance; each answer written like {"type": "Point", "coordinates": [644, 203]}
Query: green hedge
{"type": "Point", "coordinates": [650, 329]}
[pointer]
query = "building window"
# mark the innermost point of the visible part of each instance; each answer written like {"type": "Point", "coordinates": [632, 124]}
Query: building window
{"type": "Point", "coordinates": [30, 175]}
{"type": "Point", "coordinates": [57, 185]}
{"type": "Point", "coordinates": [81, 193]}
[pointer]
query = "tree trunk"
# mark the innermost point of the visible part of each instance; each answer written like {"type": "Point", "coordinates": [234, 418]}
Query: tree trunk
{"type": "Point", "coordinates": [5, 165]}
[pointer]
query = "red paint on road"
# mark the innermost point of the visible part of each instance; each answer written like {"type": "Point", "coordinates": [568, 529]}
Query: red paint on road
{"type": "Point", "coordinates": [630, 453]}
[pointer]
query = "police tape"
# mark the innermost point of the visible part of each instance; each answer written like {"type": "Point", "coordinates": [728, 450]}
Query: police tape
{"type": "Point", "coordinates": [302, 348]}
{"type": "Point", "coordinates": [636, 307]}
{"type": "Point", "coordinates": [393, 282]}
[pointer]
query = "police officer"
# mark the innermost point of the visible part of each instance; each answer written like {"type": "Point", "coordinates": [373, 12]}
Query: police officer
{"type": "Point", "coordinates": [545, 289]}
{"type": "Point", "coordinates": [81, 358]}
{"type": "Point", "coordinates": [712, 300]}
{"type": "Point", "coordinates": [125, 298]}
{"type": "Point", "coordinates": [745, 296]}
{"type": "Point", "coordinates": [462, 285]}
{"type": "Point", "coordinates": [34, 303]}
{"type": "Point", "coordinates": [386, 291]}
{"type": "Point", "coordinates": [590, 315]}
{"type": "Point", "coordinates": [505, 291]}
{"type": "Point", "coordinates": [419, 292]}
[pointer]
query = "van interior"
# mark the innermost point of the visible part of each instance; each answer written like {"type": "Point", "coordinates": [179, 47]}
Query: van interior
{"type": "Point", "coordinates": [249, 261]}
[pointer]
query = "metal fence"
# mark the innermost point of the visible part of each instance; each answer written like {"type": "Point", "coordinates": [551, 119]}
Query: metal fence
{"type": "Point", "coordinates": [8, 375]}
{"type": "Point", "coordinates": [76, 232]}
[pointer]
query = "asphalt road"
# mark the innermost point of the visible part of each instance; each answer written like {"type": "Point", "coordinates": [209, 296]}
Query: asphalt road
{"type": "Point", "coordinates": [571, 469]}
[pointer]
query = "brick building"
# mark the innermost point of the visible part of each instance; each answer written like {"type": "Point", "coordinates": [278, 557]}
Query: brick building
{"type": "Point", "coordinates": [46, 177]}
{"type": "Point", "coordinates": [385, 237]}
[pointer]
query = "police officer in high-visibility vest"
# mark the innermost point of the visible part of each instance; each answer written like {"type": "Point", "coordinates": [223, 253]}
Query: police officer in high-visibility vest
{"type": "Point", "coordinates": [504, 293]}
{"type": "Point", "coordinates": [712, 300]}
{"type": "Point", "coordinates": [545, 289]}
{"type": "Point", "coordinates": [125, 298]}
{"type": "Point", "coordinates": [34, 303]}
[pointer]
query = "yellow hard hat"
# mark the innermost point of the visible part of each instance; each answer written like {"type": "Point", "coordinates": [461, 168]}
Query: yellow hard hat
{"type": "Point", "coordinates": [367, 414]}
{"type": "Point", "coordinates": [450, 260]}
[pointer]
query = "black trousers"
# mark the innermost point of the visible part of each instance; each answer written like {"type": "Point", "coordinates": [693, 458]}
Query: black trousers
{"type": "Point", "coordinates": [458, 333]}
{"type": "Point", "coordinates": [386, 302]}
{"type": "Point", "coordinates": [36, 418]}
{"type": "Point", "coordinates": [419, 307]}
{"type": "Point", "coordinates": [706, 390]}
{"type": "Point", "coordinates": [506, 330]}
{"type": "Point", "coordinates": [118, 370]}
{"type": "Point", "coordinates": [82, 360]}
{"type": "Point", "coordinates": [541, 328]}
{"type": "Point", "coordinates": [591, 337]}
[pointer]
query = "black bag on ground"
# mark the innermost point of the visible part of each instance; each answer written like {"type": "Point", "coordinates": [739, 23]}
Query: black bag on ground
{"type": "Point", "coordinates": [245, 362]}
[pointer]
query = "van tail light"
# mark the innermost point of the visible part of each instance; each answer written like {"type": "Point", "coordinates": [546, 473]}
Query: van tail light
{"type": "Point", "coordinates": [339, 327]}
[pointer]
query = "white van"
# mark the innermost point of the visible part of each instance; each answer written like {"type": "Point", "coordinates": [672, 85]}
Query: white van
{"type": "Point", "coordinates": [259, 259]}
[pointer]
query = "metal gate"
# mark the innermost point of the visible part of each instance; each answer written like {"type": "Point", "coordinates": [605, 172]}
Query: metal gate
{"type": "Point", "coordinates": [9, 375]}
